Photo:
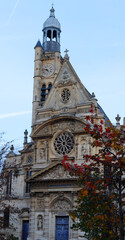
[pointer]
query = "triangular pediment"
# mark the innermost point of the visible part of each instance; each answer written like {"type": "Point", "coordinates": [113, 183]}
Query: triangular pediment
{"type": "Point", "coordinates": [67, 90]}
{"type": "Point", "coordinates": [54, 171]}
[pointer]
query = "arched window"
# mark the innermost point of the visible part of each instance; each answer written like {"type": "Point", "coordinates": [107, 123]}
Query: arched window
{"type": "Point", "coordinates": [48, 35]}
{"type": "Point", "coordinates": [43, 93]}
{"type": "Point", "coordinates": [55, 36]}
{"type": "Point", "coordinates": [49, 87]}
{"type": "Point", "coordinates": [39, 222]}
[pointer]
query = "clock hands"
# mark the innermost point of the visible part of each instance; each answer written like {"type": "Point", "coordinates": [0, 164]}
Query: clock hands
{"type": "Point", "coordinates": [47, 70]}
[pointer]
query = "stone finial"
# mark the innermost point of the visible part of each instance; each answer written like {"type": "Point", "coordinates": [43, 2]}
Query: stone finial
{"type": "Point", "coordinates": [52, 12]}
{"type": "Point", "coordinates": [12, 148]}
{"type": "Point", "coordinates": [66, 55]}
{"type": "Point", "coordinates": [118, 120]}
{"type": "Point", "coordinates": [25, 136]}
{"type": "Point", "coordinates": [93, 95]}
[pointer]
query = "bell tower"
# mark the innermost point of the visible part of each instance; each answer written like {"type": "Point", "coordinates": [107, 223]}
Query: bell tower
{"type": "Point", "coordinates": [51, 33]}
{"type": "Point", "coordinates": [47, 63]}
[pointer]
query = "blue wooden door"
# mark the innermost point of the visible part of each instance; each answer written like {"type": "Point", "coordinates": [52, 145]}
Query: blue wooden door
{"type": "Point", "coordinates": [25, 230]}
{"type": "Point", "coordinates": [62, 228]}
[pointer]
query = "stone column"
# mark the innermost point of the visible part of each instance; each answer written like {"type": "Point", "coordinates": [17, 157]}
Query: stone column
{"type": "Point", "coordinates": [32, 219]}
{"type": "Point", "coordinates": [75, 233]}
{"type": "Point", "coordinates": [46, 217]}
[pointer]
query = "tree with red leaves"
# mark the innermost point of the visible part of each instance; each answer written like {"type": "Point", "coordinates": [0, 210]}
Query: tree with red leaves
{"type": "Point", "coordinates": [99, 211]}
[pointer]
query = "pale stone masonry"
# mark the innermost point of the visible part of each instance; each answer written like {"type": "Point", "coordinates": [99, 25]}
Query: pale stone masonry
{"type": "Point", "coordinates": [43, 192]}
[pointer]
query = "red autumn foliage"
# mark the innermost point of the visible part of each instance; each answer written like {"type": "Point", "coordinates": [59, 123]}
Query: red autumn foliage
{"type": "Point", "coordinates": [102, 180]}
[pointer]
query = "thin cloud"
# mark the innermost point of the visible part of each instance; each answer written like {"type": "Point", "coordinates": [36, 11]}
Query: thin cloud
{"type": "Point", "coordinates": [12, 13]}
{"type": "Point", "coordinates": [8, 115]}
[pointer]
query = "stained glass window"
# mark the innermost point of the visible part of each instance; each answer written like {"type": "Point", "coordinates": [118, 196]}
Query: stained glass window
{"type": "Point", "coordinates": [64, 143]}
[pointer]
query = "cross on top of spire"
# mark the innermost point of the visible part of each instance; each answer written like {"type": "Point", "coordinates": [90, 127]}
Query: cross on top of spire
{"type": "Point", "coordinates": [66, 51]}
{"type": "Point", "coordinates": [66, 55]}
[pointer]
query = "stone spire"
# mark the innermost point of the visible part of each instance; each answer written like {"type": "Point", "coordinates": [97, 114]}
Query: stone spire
{"type": "Point", "coordinates": [25, 136]}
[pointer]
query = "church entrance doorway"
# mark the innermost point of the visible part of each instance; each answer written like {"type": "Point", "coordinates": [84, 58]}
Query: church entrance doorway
{"type": "Point", "coordinates": [62, 228]}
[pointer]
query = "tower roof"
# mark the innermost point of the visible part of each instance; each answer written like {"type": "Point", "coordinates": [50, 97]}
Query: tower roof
{"type": "Point", "coordinates": [38, 44]}
{"type": "Point", "coordinates": [52, 21]}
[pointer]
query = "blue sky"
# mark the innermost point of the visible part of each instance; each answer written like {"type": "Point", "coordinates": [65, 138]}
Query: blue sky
{"type": "Point", "coordinates": [94, 33]}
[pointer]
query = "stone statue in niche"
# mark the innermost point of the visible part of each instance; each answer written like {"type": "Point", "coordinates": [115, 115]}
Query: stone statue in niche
{"type": "Point", "coordinates": [42, 153]}
{"type": "Point", "coordinates": [39, 222]}
{"type": "Point", "coordinates": [83, 149]}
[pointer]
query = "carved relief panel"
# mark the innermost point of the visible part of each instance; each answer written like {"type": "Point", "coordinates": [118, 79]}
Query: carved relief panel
{"type": "Point", "coordinates": [57, 172]}
{"type": "Point", "coordinates": [41, 151]}
{"type": "Point", "coordinates": [61, 205]}
{"type": "Point", "coordinates": [61, 202]}
{"type": "Point", "coordinates": [84, 146]}
{"type": "Point", "coordinates": [63, 125]}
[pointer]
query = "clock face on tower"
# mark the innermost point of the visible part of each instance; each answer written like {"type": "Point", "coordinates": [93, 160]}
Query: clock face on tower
{"type": "Point", "coordinates": [47, 70]}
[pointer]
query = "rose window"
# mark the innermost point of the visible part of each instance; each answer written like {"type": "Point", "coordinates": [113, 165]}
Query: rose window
{"type": "Point", "coordinates": [65, 95]}
{"type": "Point", "coordinates": [64, 143]}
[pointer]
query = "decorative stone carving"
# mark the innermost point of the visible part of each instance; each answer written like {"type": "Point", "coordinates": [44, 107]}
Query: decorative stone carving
{"type": "Point", "coordinates": [84, 146]}
{"type": "Point", "coordinates": [41, 146]}
{"type": "Point", "coordinates": [83, 149]}
{"type": "Point", "coordinates": [83, 110]}
{"type": "Point", "coordinates": [65, 75]}
{"type": "Point", "coordinates": [40, 203]}
{"type": "Point", "coordinates": [44, 131]}
{"type": "Point", "coordinates": [42, 153]}
{"type": "Point", "coordinates": [61, 195]}
{"type": "Point", "coordinates": [61, 205]}
{"type": "Point", "coordinates": [29, 159]}
{"type": "Point", "coordinates": [64, 143]}
{"type": "Point", "coordinates": [63, 126]}
{"type": "Point", "coordinates": [66, 79]}
{"type": "Point", "coordinates": [79, 127]}
{"type": "Point", "coordinates": [57, 173]}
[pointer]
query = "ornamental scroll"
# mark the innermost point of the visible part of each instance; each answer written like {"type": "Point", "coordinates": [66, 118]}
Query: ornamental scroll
{"type": "Point", "coordinates": [61, 205]}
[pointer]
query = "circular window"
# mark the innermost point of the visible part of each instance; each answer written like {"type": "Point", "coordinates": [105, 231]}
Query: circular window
{"type": "Point", "coordinates": [65, 95]}
{"type": "Point", "coordinates": [64, 143]}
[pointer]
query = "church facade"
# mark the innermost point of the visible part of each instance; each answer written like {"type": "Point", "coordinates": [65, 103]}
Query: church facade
{"type": "Point", "coordinates": [40, 188]}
